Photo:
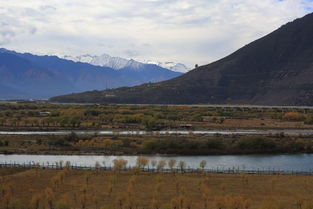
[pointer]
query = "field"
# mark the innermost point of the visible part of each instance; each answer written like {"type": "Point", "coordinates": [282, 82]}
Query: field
{"type": "Point", "coordinates": [61, 189]}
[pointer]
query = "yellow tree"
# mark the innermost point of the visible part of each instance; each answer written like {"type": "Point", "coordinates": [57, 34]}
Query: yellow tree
{"type": "Point", "coordinates": [83, 200]}
{"type": "Point", "coordinates": [156, 201]}
{"type": "Point", "coordinates": [120, 201]}
{"type": "Point", "coordinates": [175, 203]}
{"type": "Point", "coordinates": [142, 162]}
{"type": "Point", "coordinates": [119, 164]}
{"type": "Point", "coordinates": [49, 196]}
{"type": "Point", "coordinates": [206, 194]}
{"type": "Point", "coordinates": [35, 201]}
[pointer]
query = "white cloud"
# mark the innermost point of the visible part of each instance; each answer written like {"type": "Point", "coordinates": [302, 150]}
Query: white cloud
{"type": "Point", "coordinates": [187, 31]}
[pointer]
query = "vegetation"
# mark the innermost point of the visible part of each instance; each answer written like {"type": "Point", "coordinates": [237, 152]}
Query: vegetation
{"type": "Point", "coordinates": [66, 189]}
{"type": "Point", "coordinates": [183, 145]}
{"type": "Point", "coordinates": [45, 116]}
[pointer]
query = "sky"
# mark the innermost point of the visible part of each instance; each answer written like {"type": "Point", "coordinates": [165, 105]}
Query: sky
{"type": "Point", "coordinates": [186, 31]}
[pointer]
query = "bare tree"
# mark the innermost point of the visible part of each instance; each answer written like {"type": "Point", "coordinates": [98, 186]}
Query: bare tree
{"type": "Point", "coordinates": [202, 164]}
{"type": "Point", "coordinates": [161, 165]}
{"type": "Point", "coordinates": [182, 165]}
{"type": "Point", "coordinates": [171, 163]}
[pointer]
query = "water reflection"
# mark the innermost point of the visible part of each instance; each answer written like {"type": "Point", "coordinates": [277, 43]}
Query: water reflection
{"type": "Point", "coordinates": [298, 162]}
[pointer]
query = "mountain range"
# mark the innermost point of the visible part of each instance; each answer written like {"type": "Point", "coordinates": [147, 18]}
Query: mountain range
{"type": "Point", "coordinates": [119, 63]}
{"type": "Point", "coordinates": [28, 76]}
{"type": "Point", "coordinates": [274, 70]}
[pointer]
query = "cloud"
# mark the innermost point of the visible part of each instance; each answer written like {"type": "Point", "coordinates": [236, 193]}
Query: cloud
{"type": "Point", "coordinates": [187, 31]}
{"type": "Point", "coordinates": [10, 27]}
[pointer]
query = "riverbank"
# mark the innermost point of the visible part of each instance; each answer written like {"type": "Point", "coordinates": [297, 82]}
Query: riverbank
{"type": "Point", "coordinates": [188, 144]}
{"type": "Point", "coordinates": [91, 189]}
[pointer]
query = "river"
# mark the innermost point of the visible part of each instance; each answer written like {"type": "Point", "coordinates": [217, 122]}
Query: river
{"type": "Point", "coordinates": [294, 162]}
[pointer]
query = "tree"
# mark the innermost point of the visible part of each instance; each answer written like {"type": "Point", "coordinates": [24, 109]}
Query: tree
{"type": "Point", "coordinates": [161, 165]}
{"type": "Point", "coordinates": [175, 202]}
{"type": "Point", "coordinates": [107, 143]}
{"type": "Point", "coordinates": [202, 164]}
{"type": "Point", "coordinates": [83, 200]}
{"type": "Point", "coordinates": [142, 162]}
{"type": "Point", "coordinates": [35, 201]}
{"type": "Point", "coordinates": [119, 164]}
{"type": "Point", "coordinates": [120, 201]}
{"type": "Point", "coordinates": [49, 196]}
{"type": "Point", "coordinates": [182, 165]}
{"type": "Point", "coordinates": [153, 163]}
{"type": "Point", "coordinates": [206, 193]}
{"type": "Point", "coordinates": [171, 163]}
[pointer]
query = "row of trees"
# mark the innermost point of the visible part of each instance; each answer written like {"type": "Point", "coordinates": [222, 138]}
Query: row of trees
{"type": "Point", "coordinates": [144, 163]}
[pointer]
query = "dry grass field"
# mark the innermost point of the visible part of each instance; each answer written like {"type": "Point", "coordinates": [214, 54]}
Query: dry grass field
{"type": "Point", "coordinates": [62, 189]}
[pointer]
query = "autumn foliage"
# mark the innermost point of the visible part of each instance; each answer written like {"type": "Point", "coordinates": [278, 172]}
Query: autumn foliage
{"type": "Point", "coordinates": [31, 189]}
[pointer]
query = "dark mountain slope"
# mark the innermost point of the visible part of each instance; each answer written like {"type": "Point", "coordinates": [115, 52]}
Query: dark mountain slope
{"type": "Point", "coordinates": [274, 70]}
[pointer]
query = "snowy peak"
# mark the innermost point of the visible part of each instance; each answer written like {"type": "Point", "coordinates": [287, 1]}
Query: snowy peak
{"type": "Point", "coordinates": [87, 58]}
{"type": "Point", "coordinates": [177, 67]}
{"type": "Point", "coordinates": [118, 63]}
{"type": "Point", "coordinates": [173, 66]}
{"type": "Point", "coordinates": [134, 65]}
{"type": "Point", "coordinates": [105, 60]}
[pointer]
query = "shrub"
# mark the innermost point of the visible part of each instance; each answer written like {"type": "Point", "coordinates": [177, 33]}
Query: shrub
{"type": "Point", "coordinates": [215, 144]}
{"type": "Point", "coordinates": [293, 116]}
{"type": "Point", "coordinates": [256, 144]}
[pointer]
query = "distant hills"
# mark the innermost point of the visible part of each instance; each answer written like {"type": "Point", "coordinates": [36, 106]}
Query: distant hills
{"type": "Point", "coordinates": [28, 76]}
{"type": "Point", "coordinates": [274, 70]}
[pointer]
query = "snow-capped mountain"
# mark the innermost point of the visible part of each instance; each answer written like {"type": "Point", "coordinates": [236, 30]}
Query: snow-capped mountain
{"type": "Point", "coordinates": [86, 58]}
{"type": "Point", "coordinates": [119, 63]}
{"type": "Point", "coordinates": [30, 76]}
{"type": "Point", "coordinates": [105, 60]}
{"type": "Point", "coordinates": [173, 66]}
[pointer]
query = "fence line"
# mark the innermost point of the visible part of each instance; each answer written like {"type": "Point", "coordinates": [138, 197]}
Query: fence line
{"type": "Point", "coordinates": [155, 170]}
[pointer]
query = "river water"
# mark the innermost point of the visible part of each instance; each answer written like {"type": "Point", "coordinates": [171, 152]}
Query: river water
{"type": "Point", "coordinates": [295, 162]}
